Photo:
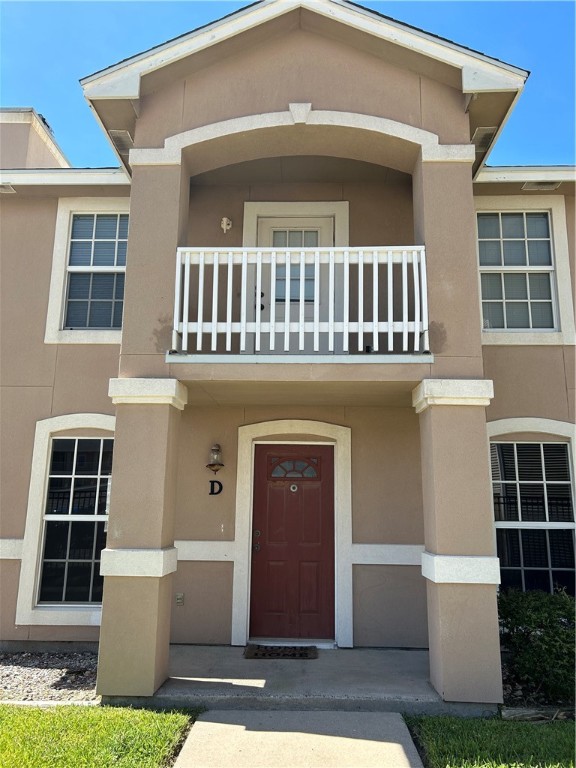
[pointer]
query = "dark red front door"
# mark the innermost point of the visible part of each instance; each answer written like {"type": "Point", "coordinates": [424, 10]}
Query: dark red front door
{"type": "Point", "coordinates": [292, 585]}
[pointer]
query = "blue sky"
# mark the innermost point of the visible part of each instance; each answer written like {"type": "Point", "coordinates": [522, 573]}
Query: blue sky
{"type": "Point", "coordinates": [46, 47]}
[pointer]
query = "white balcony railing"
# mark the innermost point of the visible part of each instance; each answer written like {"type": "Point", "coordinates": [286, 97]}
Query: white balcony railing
{"type": "Point", "coordinates": [341, 300]}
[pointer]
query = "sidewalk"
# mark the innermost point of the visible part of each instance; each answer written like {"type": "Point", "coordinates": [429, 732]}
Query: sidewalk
{"type": "Point", "coordinates": [298, 739]}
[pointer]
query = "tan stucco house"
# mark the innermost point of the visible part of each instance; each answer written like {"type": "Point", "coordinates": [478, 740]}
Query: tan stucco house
{"type": "Point", "coordinates": [304, 261]}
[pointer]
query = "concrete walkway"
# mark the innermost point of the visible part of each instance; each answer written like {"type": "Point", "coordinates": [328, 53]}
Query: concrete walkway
{"type": "Point", "coordinates": [296, 739]}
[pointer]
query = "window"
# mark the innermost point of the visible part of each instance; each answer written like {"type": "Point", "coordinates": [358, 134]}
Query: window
{"type": "Point", "coordinates": [516, 268]}
{"type": "Point", "coordinates": [86, 299]}
{"type": "Point", "coordinates": [96, 265]}
{"type": "Point", "coordinates": [75, 519]}
{"type": "Point", "coordinates": [295, 238]}
{"type": "Point", "coordinates": [534, 514]}
{"type": "Point", "coordinates": [66, 521]}
{"type": "Point", "coordinates": [524, 282]}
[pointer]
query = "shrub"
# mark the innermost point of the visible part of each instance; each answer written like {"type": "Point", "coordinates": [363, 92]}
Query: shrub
{"type": "Point", "coordinates": [537, 633]}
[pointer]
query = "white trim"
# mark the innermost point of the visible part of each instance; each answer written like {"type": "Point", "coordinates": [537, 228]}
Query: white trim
{"type": "Point", "coordinates": [338, 210]}
{"type": "Point", "coordinates": [341, 438]}
{"type": "Point", "coordinates": [479, 72]}
{"type": "Point", "coordinates": [386, 554]}
{"type": "Point", "coordinates": [360, 359]}
{"type": "Point", "coordinates": [11, 549]}
{"type": "Point", "coordinates": [63, 177]}
{"type": "Point", "coordinates": [526, 173]}
{"type": "Point", "coordinates": [148, 392]}
{"type": "Point", "coordinates": [556, 207]}
{"type": "Point", "coordinates": [27, 612]}
{"type": "Point", "coordinates": [200, 551]}
{"type": "Point", "coordinates": [425, 141]}
{"type": "Point", "coordinates": [138, 562]}
{"type": "Point", "coordinates": [429, 392]}
{"type": "Point", "coordinates": [460, 569]}
{"type": "Point", "coordinates": [57, 297]}
{"type": "Point", "coordinates": [360, 554]}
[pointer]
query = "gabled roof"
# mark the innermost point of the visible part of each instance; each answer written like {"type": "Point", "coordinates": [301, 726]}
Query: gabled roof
{"type": "Point", "coordinates": [479, 72]}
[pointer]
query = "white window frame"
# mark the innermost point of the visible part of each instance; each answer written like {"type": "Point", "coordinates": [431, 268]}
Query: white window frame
{"type": "Point", "coordinates": [28, 611]}
{"type": "Point", "coordinates": [338, 210]}
{"type": "Point", "coordinates": [55, 332]}
{"type": "Point", "coordinates": [561, 282]}
{"type": "Point", "coordinates": [565, 432]}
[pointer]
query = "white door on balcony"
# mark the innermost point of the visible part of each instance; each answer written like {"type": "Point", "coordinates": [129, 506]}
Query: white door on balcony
{"type": "Point", "coordinates": [291, 295]}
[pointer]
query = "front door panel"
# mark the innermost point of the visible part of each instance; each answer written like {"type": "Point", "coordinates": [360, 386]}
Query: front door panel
{"type": "Point", "coordinates": [292, 585]}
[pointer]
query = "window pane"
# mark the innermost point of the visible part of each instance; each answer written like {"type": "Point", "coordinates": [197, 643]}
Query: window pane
{"type": "Point", "coordinates": [279, 238]}
{"type": "Point", "coordinates": [537, 225]}
{"type": "Point", "coordinates": [106, 226]}
{"type": "Point", "coordinates": [119, 287]}
{"type": "Point", "coordinates": [100, 314]}
{"type": "Point", "coordinates": [510, 579]}
{"type": "Point", "coordinates": [294, 239]}
{"type": "Point", "coordinates": [84, 498]}
{"type": "Point", "coordinates": [532, 503]}
{"type": "Point", "coordinates": [79, 286]}
{"type": "Point", "coordinates": [560, 503]}
{"type": "Point", "coordinates": [529, 461]}
{"type": "Point", "coordinates": [97, 586]}
{"type": "Point", "coordinates": [58, 497]}
{"type": "Point", "coordinates": [514, 252]}
{"type": "Point", "coordinates": [123, 226]}
{"type": "Point", "coordinates": [52, 582]}
{"type": "Point", "coordinates": [540, 286]}
{"type": "Point", "coordinates": [88, 456]}
{"type": "Point", "coordinates": [78, 583]}
{"type": "Point", "coordinates": [103, 286]}
{"type": "Point", "coordinates": [542, 315]}
{"type": "Point", "coordinates": [517, 315]}
{"type": "Point", "coordinates": [564, 580]}
{"type": "Point", "coordinates": [117, 315]}
{"type": "Point", "coordinates": [82, 541]}
{"type": "Point", "coordinates": [80, 254]}
{"type": "Point", "coordinates": [513, 225]}
{"type": "Point", "coordinates": [561, 549]}
{"type": "Point", "coordinates": [56, 544]}
{"type": "Point", "coordinates": [556, 462]}
{"type": "Point", "coordinates": [76, 314]}
{"type": "Point", "coordinates": [489, 252]}
{"type": "Point", "coordinates": [107, 456]}
{"type": "Point", "coordinates": [515, 287]}
{"type": "Point", "coordinates": [100, 539]}
{"type": "Point", "coordinates": [62, 457]}
{"type": "Point", "coordinates": [121, 255]}
{"type": "Point", "coordinates": [492, 315]}
{"type": "Point", "coordinates": [102, 496]}
{"type": "Point", "coordinates": [104, 254]}
{"type": "Point", "coordinates": [534, 549]}
{"type": "Point", "coordinates": [491, 287]}
{"type": "Point", "coordinates": [506, 461]}
{"type": "Point", "coordinates": [311, 239]}
{"type": "Point", "coordinates": [505, 502]}
{"type": "Point", "coordinates": [508, 547]}
{"type": "Point", "coordinates": [82, 226]}
{"type": "Point", "coordinates": [537, 580]}
{"type": "Point", "coordinates": [488, 225]}
{"type": "Point", "coordinates": [539, 253]}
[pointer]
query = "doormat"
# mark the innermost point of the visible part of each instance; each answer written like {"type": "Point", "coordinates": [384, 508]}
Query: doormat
{"type": "Point", "coordinates": [281, 652]}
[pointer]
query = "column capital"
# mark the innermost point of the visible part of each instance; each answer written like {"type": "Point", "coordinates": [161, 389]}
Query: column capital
{"type": "Point", "coordinates": [148, 391]}
{"type": "Point", "coordinates": [452, 392]}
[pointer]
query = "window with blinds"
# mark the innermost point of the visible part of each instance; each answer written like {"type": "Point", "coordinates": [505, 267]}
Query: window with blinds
{"type": "Point", "coordinates": [96, 267]}
{"type": "Point", "coordinates": [534, 515]}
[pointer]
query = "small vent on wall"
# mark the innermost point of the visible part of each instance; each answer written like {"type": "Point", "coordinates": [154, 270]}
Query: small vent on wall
{"type": "Point", "coordinates": [482, 138]}
{"type": "Point", "coordinates": [122, 141]}
{"type": "Point", "coordinates": [540, 186]}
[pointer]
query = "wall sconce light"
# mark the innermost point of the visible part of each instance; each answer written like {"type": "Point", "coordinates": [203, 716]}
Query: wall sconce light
{"type": "Point", "coordinates": [215, 463]}
{"type": "Point", "coordinates": [226, 224]}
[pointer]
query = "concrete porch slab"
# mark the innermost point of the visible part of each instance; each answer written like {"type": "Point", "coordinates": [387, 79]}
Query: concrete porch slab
{"type": "Point", "coordinates": [359, 679]}
{"type": "Point", "coordinates": [256, 739]}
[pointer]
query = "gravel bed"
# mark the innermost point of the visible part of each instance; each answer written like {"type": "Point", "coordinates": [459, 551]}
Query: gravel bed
{"type": "Point", "coordinates": [48, 676]}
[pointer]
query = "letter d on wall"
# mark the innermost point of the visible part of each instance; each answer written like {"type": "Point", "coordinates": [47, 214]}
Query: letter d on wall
{"type": "Point", "coordinates": [216, 487]}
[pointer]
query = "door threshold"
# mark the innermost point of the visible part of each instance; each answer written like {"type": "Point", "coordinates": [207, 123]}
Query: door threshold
{"type": "Point", "coordinates": [325, 645]}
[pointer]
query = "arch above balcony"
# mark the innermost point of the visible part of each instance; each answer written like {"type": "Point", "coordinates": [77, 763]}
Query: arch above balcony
{"type": "Point", "coordinates": [301, 130]}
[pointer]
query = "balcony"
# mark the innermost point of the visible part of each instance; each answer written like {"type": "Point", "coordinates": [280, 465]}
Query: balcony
{"type": "Point", "coordinates": [283, 305]}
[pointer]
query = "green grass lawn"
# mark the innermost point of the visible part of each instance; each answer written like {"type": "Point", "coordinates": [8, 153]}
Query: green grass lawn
{"type": "Point", "coordinates": [451, 742]}
{"type": "Point", "coordinates": [88, 737]}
